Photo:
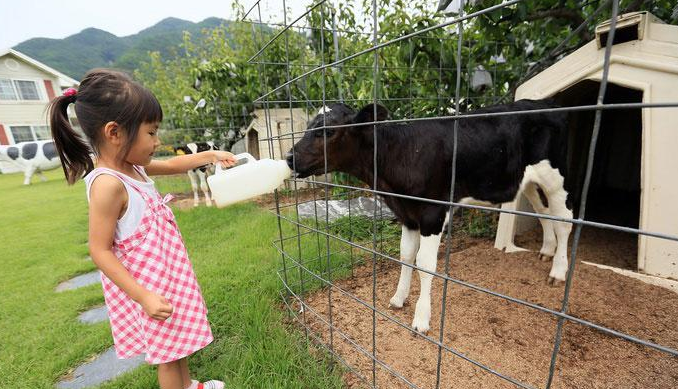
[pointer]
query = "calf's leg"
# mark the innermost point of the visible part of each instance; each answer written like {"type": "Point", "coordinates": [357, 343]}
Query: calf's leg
{"type": "Point", "coordinates": [427, 259]}
{"type": "Point", "coordinates": [205, 189]}
{"type": "Point", "coordinates": [409, 245]}
{"type": "Point", "coordinates": [552, 183]}
{"type": "Point", "coordinates": [548, 248]}
{"type": "Point", "coordinates": [194, 186]}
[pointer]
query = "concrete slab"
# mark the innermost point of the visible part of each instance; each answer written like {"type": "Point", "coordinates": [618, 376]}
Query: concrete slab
{"type": "Point", "coordinates": [361, 206]}
{"type": "Point", "coordinates": [80, 281]}
{"type": "Point", "coordinates": [95, 315]}
{"type": "Point", "coordinates": [104, 368]}
{"type": "Point", "coordinates": [649, 279]}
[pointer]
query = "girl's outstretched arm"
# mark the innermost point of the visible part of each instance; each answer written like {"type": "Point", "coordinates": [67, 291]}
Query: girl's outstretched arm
{"type": "Point", "coordinates": [108, 199]}
{"type": "Point", "coordinates": [184, 163]}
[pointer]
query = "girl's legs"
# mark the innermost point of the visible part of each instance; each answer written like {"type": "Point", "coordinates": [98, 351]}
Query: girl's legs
{"type": "Point", "coordinates": [169, 376]}
{"type": "Point", "coordinates": [175, 375]}
{"type": "Point", "coordinates": [185, 375]}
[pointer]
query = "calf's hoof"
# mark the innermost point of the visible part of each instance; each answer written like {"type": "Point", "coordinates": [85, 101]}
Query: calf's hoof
{"type": "Point", "coordinates": [545, 257]}
{"type": "Point", "coordinates": [421, 326]}
{"type": "Point", "coordinates": [552, 281]}
{"type": "Point", "coordinates": [396, 302]}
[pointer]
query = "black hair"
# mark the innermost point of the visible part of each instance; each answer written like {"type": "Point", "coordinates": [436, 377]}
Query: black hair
{"type": "Point", "coordinates": [104, 96]}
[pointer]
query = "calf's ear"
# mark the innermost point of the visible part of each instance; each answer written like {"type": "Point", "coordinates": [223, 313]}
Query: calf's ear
{"type": "Point", "coordinates": [366, 114]}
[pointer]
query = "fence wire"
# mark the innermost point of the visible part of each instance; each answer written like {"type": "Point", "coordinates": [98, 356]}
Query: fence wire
{"type": "Point", "coordinates": [303, 271]}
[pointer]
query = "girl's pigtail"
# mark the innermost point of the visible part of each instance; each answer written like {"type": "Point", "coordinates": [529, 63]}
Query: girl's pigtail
{"type": "Point", "coordinates": [73, 150]}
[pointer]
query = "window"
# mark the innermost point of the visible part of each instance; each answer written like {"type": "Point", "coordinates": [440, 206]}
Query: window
{"type": "Point", "coordinates": [7, 90]}
{"type": "Point", "coordinates": [30, 133]}
{"type": "Point", "coordinates": [19, 90]}
{"type": "Point", "coordinates": [42, 132]}
{"type": "Point", "coordinates": [22, 133]}
{"type": "Point", "coordinates": [27, 90]}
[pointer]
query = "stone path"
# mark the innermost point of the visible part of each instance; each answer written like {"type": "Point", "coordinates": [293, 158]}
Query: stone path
{"type": "Point", "coordinates": [106, 366]}
{"type": "Point", "coordinates": [93, 316]}
{"type": "Point", "coordinates": [80, 281]}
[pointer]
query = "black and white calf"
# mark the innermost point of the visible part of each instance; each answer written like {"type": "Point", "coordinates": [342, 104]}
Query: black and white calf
{"type": "Point", "coordinates": [497, 158]}
{"type": "Point", "coordinates": [199, 175]}
{"type": "Point", "coordinates": [32, 157]}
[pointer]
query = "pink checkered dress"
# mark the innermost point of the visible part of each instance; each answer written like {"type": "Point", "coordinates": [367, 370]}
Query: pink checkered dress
{"type": "Point", "coordinates": [156, 257]}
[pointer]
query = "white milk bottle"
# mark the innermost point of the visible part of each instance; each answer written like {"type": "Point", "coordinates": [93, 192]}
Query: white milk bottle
{"type": "Point", "coordinates": [248, 178]}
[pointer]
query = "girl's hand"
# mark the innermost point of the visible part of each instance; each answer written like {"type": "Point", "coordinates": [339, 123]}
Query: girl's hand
{"type": "Point", "coordinates": [156, 306]}
{"type": "Point", "coordinates": [224, 157]}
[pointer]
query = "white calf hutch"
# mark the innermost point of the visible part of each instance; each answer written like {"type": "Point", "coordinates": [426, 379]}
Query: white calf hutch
{"type": "Point", "coordinates": [280, 121]}
{"type": "Point", "coordinates": [281, 124]}
{"type": "Point", "coordinates": [634, 180]}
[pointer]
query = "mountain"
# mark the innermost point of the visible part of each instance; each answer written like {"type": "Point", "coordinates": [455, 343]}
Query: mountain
{"type": "Point", "coordinates": [91, 47]}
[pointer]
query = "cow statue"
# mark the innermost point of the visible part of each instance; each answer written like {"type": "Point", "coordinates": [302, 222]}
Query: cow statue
{"type": "Point", "coordinates": [198, 176]}
{"type": "Point", "coordinates": [32, 157]}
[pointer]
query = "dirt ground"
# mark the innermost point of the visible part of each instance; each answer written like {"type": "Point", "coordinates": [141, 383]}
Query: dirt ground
{"type": "Point", "coordinates": [606, 247]}
{"type": "Point", "coordinates": [185, 200]}
{"type": "Point", "coordinates": [512, 339]}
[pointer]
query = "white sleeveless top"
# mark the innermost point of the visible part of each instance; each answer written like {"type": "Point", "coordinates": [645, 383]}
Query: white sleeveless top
{"type": "Point", "coordinates": [136, 206]}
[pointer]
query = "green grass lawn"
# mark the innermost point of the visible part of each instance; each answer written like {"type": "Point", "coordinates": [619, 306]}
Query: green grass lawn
{"type": "Point", "coordinates": [43, 233]}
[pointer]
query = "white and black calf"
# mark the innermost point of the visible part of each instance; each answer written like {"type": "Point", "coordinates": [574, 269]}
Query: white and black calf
{"type": "Point", "coordinates": [198, 176]}
{"type": "Point", "coordinates": [32, 157]}
{"type": "Point", "coordinates": [497, 158]}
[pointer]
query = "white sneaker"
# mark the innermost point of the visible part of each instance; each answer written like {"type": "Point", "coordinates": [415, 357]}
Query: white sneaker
{"type": "Point", "coordinates": [211, 384]}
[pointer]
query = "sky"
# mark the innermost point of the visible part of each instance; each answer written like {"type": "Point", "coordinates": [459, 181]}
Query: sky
{"type": "Point", "coordinates": [25, 19]}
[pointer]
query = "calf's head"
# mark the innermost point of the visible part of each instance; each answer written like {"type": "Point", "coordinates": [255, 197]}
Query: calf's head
{"type": "Point", "coordinates": [343, 145]}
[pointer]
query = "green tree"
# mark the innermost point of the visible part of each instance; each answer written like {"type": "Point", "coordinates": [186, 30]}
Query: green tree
{"type": "Point", "coordinates": [542, 26]}
{"type": "Point", "coordinates": [416, 77]}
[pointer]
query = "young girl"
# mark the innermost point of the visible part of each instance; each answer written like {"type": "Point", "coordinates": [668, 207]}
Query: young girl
{"type": "Point", "coordinates": [154, 302]}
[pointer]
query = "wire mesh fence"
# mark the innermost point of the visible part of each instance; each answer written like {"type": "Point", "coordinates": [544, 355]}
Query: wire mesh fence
{"type": "Point", "coordinates": [333, 264]}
